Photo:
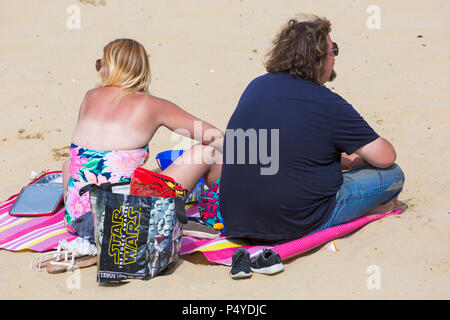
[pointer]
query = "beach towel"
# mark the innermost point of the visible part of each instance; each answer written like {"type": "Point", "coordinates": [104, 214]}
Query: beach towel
{"type": "Point", "coordinates": [35, 233]}
{"type": "Point", "coordinates": [221, 250]}
{"type": "Point", "coordinates": [43, 234]}
{"type": "Point", "coordinates": [32, 233]}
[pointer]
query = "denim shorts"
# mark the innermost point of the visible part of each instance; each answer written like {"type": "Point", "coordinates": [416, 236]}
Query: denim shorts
{"type": "Point", "coordinates": [364, 188]}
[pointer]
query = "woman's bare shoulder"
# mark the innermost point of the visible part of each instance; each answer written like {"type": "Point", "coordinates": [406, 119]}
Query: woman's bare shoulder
{"type": "Point", "coordinates": [93, 94]}
{"type": "Point", "coordinates": [99, 91]}
{"type": "Point", "coordinates": [158, 103]}
{"type": "Point", "coordinates": [155, 99]}
{"type": "Point", "coordinates": [137, 100]}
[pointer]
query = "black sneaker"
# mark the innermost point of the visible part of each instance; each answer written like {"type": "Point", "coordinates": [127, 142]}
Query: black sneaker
{"type": "Point", "coordinates": [267, 262]}
{"type": "Point", "coordinates": [240, 264]}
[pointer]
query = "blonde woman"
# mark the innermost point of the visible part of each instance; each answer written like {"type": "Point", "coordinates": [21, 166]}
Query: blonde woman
{"type": "Point", "coordinates": [117, 120]}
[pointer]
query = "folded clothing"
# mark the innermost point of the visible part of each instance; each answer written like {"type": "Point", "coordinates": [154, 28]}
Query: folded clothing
{"type": "Point", "coordinates": [199, 230]}
{"type": "Point", "coordinates": [209, 208]}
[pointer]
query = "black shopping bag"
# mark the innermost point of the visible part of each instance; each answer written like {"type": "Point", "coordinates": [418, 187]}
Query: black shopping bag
{"type": "Point", "coordinates": [137, 237]}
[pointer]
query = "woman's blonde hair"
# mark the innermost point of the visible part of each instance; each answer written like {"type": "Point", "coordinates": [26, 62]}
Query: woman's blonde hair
{"type": "Point", "coordinates": [127, 63]}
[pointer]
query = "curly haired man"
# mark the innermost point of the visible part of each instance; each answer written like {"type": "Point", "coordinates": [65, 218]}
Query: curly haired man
{"type": "Point", "coordinates": [333, 167]}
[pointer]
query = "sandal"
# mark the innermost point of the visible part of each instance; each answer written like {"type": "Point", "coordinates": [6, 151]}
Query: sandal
{"type": "Point", "coordinates": [79, 262]}
{"type": "Point", "coordinates": [78, 253]}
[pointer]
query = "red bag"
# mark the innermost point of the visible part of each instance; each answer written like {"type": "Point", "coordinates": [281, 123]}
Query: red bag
{"type": "Point", "coordinates": [151, 184]}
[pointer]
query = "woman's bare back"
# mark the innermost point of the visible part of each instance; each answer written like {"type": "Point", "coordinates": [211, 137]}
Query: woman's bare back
{"type": "Point", "coordinates": [105, 125]}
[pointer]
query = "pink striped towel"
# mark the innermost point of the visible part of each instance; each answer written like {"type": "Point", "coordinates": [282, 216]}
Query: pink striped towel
{"type": "Point", "coordinates": [36, 233]}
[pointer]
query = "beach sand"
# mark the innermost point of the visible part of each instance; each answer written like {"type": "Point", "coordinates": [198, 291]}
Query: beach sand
{"type": "Point", "coordinates": [203, 54]}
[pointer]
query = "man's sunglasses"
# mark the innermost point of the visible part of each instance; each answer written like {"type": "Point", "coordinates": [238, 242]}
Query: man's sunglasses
{"type": "Point", "coordinates": [98, 64]}
{"type": "Point", "coordinates": [335, 49]}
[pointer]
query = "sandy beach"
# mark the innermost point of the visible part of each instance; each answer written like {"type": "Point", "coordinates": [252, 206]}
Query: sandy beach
{"type": "Point", "coordinates": [203, 54]}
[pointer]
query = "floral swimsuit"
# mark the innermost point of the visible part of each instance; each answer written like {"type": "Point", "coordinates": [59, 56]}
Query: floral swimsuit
{"type": "Point", "coordinates": [91, 166]}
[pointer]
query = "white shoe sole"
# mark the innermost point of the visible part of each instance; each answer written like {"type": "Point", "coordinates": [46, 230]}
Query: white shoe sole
{"type": "Point", "coordinates": [240, 275]}
{"type": "Point", "coordinates": [200, 235]}
{"type": "Point", "coordinates": [270, 270]}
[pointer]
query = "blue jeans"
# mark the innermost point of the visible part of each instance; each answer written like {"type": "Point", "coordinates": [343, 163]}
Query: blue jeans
{"type": "Point", "coordinates": [364, 188]}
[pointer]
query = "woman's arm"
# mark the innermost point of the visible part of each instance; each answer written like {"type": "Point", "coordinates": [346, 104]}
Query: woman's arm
{"type": "Point", "coordinates": [176, 119]}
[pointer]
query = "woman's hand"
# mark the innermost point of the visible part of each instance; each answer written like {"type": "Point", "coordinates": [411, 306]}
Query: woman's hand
{"type": "Point", "coordinates": [217, 143]}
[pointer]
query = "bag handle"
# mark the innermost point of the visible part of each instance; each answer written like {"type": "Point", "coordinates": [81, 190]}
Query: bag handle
{"type": "Point", "coordinates": [180, 210]}
{"type": "Point", "coordinates": [107, 186]}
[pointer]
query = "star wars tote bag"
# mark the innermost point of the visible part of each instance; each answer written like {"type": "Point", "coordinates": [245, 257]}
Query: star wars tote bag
{"type": "Point", "coordinates": [137, 237]}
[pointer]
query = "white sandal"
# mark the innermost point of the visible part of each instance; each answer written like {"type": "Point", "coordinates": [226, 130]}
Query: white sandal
{"type": "Point", "coordinates": [71, 251]}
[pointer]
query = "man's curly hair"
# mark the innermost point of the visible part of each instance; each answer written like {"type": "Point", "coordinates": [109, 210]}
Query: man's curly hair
{"type": "Point", "coordinates": [301, 48]}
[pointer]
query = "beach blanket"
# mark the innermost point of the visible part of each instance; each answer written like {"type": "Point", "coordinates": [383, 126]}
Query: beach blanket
{"type": "Point", "coordinates": [37, 233]}
{"type": "Point", "coordinates": [32, 233]}
{"type": "Point", "coordinates": [221, 250]}
{"type": "Point", "coordinates": [44, 233]}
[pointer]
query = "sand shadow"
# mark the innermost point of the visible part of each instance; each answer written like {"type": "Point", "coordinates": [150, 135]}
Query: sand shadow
{"type": "Point", "coordinates": [403, 205]}
{"type": "Point", "coordinates": [21, 135]}
{"type": "Point", "coordinates": [170, 269]}
{"type": "Point", "coordinates": [303, 254]}
{"type": "Point", "coordinates": [61, 153]}
{"type": "Point", "coordinates": [113, 284]}
{"type": "Point", "coordinates": [197, 258]}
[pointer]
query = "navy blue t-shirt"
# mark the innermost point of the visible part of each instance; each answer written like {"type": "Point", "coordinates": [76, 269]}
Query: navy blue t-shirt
{"type": "Point", "coordinates": [297, 192]}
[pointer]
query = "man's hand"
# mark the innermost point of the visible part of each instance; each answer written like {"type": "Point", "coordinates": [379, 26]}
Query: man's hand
{"type": "Point", "coordinates": [351, 161]}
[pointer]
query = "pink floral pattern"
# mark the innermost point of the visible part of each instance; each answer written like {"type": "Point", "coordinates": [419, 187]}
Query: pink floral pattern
{"type": "Point", "coordinates": [124, 161]}
{"type": "Point", "coordinates": [97, 167]}
{"type": "Point", "coordinates": [77, 205]}
{"type": "Point", "coordinates": [76, 163]}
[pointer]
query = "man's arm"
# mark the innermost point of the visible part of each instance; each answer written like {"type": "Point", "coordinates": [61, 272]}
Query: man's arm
{"type": "Point", "coordinates": [379, 153]}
